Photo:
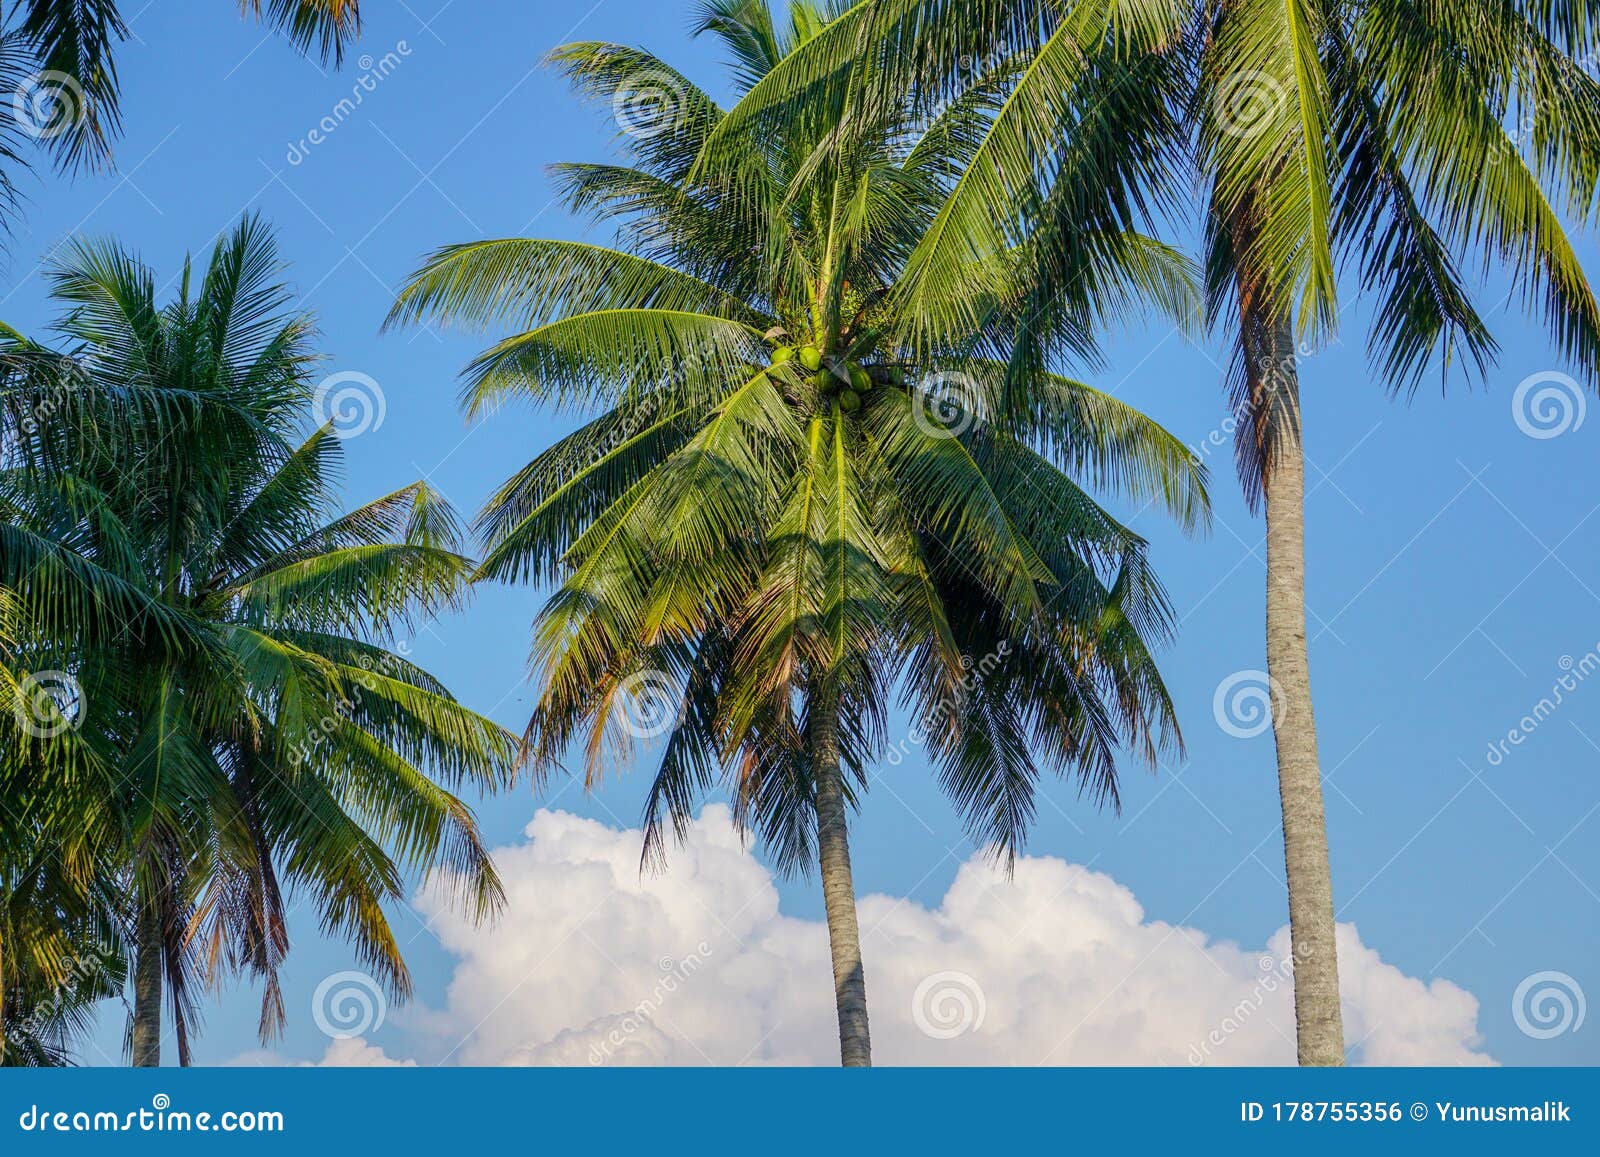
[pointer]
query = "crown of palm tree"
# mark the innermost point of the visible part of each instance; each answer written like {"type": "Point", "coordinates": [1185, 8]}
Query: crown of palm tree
{"type": "Point", "coordinates": [1392, 134]}
{"type": "Point", "coordinates": [244, 723]}
{"type": "Point", "coordinates": [789, 495]}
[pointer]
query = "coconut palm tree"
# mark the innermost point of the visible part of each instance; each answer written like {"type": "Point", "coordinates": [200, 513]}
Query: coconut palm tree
{"type": "Point", "coordinates": [780, 514]}
{"type": "Point", "coordinates": [221, 646]}
{"type": "Point", "coordinates": [1397, 137]}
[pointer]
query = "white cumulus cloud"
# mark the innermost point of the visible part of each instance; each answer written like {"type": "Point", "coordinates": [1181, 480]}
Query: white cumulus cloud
{"type": "Point", "coordinates": [592, 964]}
{"type": "Point", "coordinates": [343, 1052]}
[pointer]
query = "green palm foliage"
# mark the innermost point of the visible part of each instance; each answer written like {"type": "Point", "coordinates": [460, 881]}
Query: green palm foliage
{"type": "Point", "coordinates": [206, 656]}
{"type": "Point", "coordinates": [57, 956]}
{"type": "Point", "coordinates": [782, 512]}
{"type": "Point", "coordinates": [1408, 140]}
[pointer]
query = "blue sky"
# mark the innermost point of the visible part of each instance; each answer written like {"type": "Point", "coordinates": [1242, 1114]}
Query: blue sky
{"type": "Point", "coordinates": [1454, 560]}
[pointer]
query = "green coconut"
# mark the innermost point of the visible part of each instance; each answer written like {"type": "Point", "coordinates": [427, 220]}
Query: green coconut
{"type": "Point", "coordinates": [811, 357]}
{"type": "Point", "coordinates": [782, 354]}
{"type": "Point", "coordinates": [849, 401]}
{"type": "Point", "coordinates": [860, 380]}
{"type": "Point", "coordinates": [821, 380]}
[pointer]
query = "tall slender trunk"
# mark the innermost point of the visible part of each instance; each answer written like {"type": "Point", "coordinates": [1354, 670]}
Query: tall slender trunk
{"type": "Point", "coordinates": [1270, 344]}
{"type": "Point", "coordinates": [147, 985]}
{"type": "Point", "coordinates": [838, 888]}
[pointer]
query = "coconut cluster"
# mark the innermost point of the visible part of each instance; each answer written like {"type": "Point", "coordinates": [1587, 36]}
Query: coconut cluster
{"type": "Point", "coordinates": [848, 380]}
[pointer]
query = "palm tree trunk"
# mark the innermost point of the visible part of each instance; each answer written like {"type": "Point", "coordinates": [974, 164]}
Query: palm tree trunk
{"type": "Point", "coordinates": [147, 985]}
{"type": "Point", "coordinates": [838, 887]}
{"type": "Point", "coordinates": [1305, 832]}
